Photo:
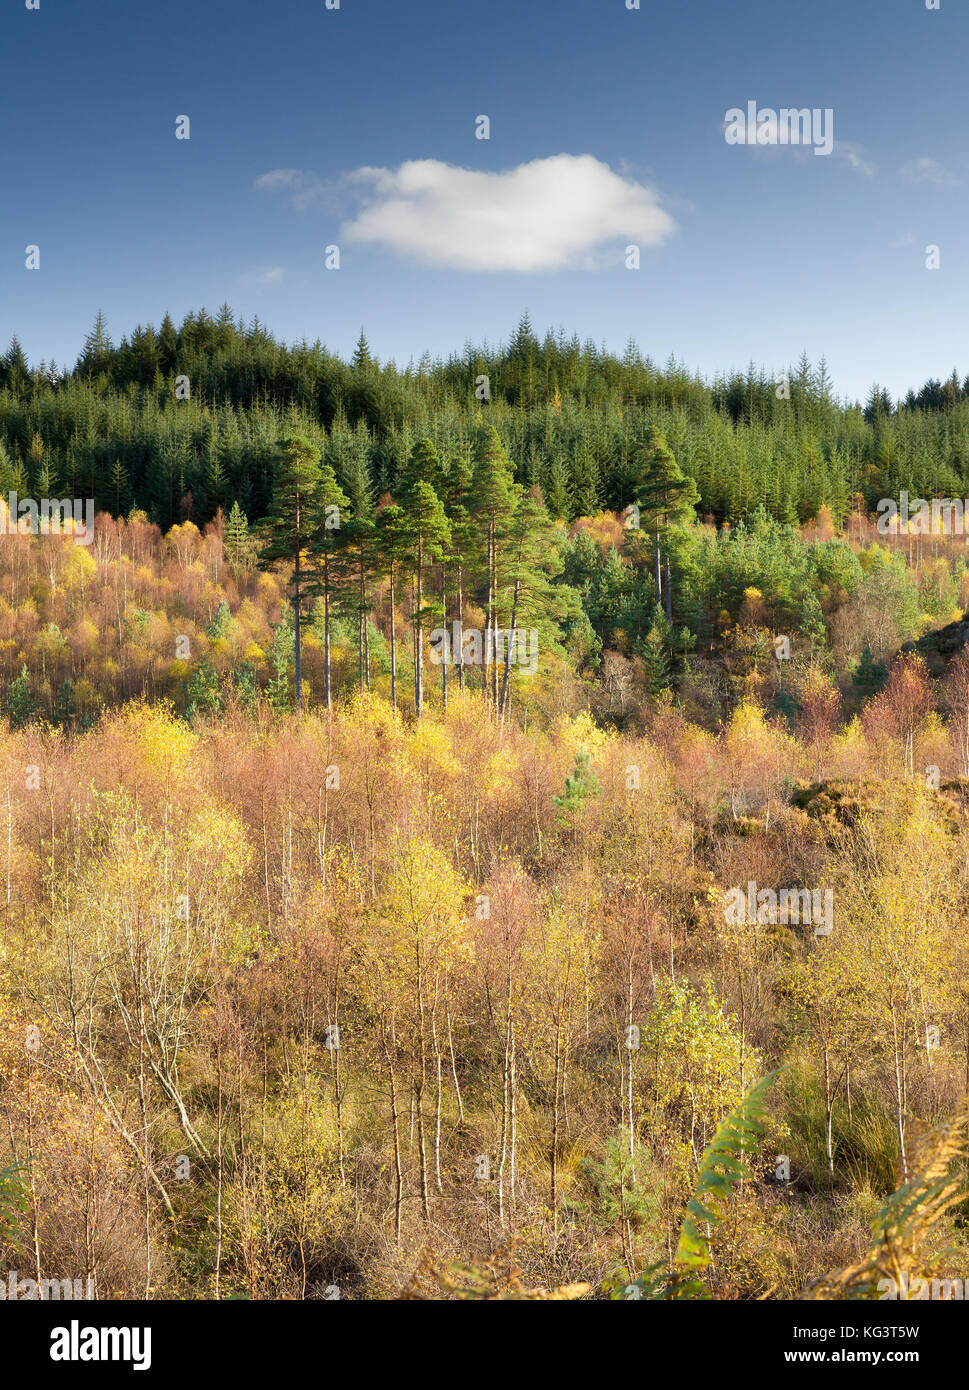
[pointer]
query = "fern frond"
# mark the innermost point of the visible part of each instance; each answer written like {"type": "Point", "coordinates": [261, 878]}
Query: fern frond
{"type": "Point", "coordinates": [721, 1170]}
{"type": "Point", "coordinates": [907, 1217]}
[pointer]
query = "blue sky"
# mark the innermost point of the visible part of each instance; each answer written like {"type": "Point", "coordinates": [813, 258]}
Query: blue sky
{"type": "Point", "coordinates": [746, 253]}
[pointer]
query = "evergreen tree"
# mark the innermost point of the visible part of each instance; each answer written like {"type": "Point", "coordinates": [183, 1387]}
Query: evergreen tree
{"type": "Point", "coordinates": [291, 525]}
{"type": "Point", "coordinates": [557, 492]}
{"type": "Point", "coordinates": [392, 541]}
{"type": "Point", "coordinates": [493, 498]}
{"type": "Point", "coordinates": [96, 355]}
{"type": "Point", "coordinates": [332, 516]}
{"type": "Point", "coordinates": [236, 540]}
{"type": "Point", "coordinates": [869, 675]}
{"type": "Point", "coordinates": [118, 484]}
{"type": "Point", "coordinates": [281, 660]}
{"type": "Point", "coordinates": [427, 531]}
{"type": "Point", "coordinates": [203, 697]}
{"type": "Point", "coordinates": [362, 360]}
{"type": "Point", "coordinates": [530, 560]}
{"type": "Point", "coordinates": [585, 487]}
{"type": "Point", "coordinates": [245, 687]}
{"type": "Point", "coordinates": [18, 703]}
{"type": "Point", "coordinates": [655, 652]}
{"type": "Point", "coordinates": [220, 628]}
{"type": "Point", "coordinates": [65, 705]}
{"type": "Point", "coordinates": [14, 372]}
{"type": "Point", "coordinates": [167, 346]}
{"type": "Point", "coordinates": [666, 498]}
{"type": "Point", "coordinates": [580, 784]}
{"type": "Point", "coordinates": [455, 491]}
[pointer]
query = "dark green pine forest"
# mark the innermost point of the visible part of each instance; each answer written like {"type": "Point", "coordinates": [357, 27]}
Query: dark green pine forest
{"type": "Point", "coordinates": [180, 421]}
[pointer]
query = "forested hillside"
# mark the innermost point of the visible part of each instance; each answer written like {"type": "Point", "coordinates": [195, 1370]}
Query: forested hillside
{"type": "Point", "coordinates": [119, 428]}
{"type": "Point", "coordinates": [424, 820]}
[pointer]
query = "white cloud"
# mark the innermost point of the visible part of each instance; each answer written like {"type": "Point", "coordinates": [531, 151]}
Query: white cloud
{"type": "Point", "coordinates": [925, 169]}
{"type": "Point", "coordinates": [270, 276]}
{"type": "Point", "coordinates": [854, 155]}
{"type": "Point", "coordinates": [278, 178]}
{"type": "Point", "coordinates": [550, 214]}
{"type": "Point", "coordinates": [563, 212]}
{"type": "Point", "coordinates": [304, 187]}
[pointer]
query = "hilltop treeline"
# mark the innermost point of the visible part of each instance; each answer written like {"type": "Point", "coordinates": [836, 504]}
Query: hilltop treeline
{"type": "Point", "coordinates": [119, 427]}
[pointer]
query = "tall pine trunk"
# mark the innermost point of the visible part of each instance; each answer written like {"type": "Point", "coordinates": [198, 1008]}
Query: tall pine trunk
{"type": "Point", "coordinates": [393, 640]}
{"type": "Point", "coordinates": [461, 643]}
{"type": "Point", "coordinates": [326, 642]}
{"type": "Point", "coordinates": [297, 647]}
{"type": "Point", "coordinates": [419, 633]}
{"type": "Point", "coordinates": [508, 649]}
{"type": "Point", "coordinates": [444, 644]}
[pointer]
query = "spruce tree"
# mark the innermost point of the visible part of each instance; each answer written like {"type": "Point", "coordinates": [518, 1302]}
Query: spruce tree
{"type": "Point", "coordinates": [666, 498]}
{"type": "Point", "coordinates": [585, 487]}
{"type": "Point", "coordinates": [236, 542]}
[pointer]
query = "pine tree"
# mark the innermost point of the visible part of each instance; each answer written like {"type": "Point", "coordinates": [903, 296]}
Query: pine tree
{"type": "Point", "coordinates": [14, 372]}
{"type": "Point", "coordinates": [585, 487]}
{"type": "Point", "coordinates": [531, 559]}
{"type": "Point", "coordinates": [666, 498]}
{"type": "Point", "coordinates": [96, 355]}
{"type": "Point", "coordinates": [362, 360]}
{"type": "Point", "coordinates": [869, 675]}
{"type": "Point", "coordinates": [557, 491]}
{"type": "Point", "coordinates": [354, 473]}
{"type": "Point", "coordinates": [280, 659]}
{"type": "Point", "coordinates": [236, 541]}
{"type": "Point", "coordinates": [392, 543]}
{"type": "Point", "coordinates": [331, 519]}
{"type": "Point", "coordinates": [290, 526]}
{"type": "Point", "coordinates": [220, 627]}
{"type": "Point", "coordinates": [359, 548]}
{"type": "Point", "coordinates": [18, 703]}
{"type": "Point", "coordinates": [167, 346]}
{"type": "Point", "coordinates": [655, 652]}
{"type": "Point", "coordinates": [203, 696]}
{"type": "Point", "coordinates": [427, 531]}
{"type": "Point", "coordinates": [118, 484]}
{"type": "Point", "coordinates": [580, 784]}
{"type": "Point", "coordinates": [493, 499]}
{"type": "Point", "coordinates": [6, 472]}
{"type": "Point", "coordinates": [455, 492]}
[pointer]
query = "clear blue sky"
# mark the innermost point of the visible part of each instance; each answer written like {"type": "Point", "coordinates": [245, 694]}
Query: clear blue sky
{"type": "Point", "coordinates": [757, 254]}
